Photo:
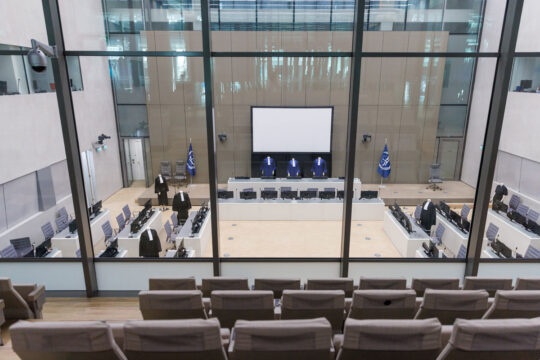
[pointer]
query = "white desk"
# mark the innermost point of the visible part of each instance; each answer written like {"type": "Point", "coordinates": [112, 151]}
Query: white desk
{"type": "Point", "coordinates": [196, 242]}
{"type": "Point", "coordinates": [121, 253]}
{"type": "Point", "coordinates": [452, 238]}
{"type": "Point", "coordinates": [68, 243]}
{"type": "Point", "coordinates": [405, 243]}
{"type": "Point", "coordinates": [130, 242]}
{"type": "Point", "coordinates": [55, 253]}
{"type": "Point", "coordinates": [258, 184]}
{"type": "Point", "coordinates": [298, 210]}
{"type": "Point", "coordinates": [511, 234]}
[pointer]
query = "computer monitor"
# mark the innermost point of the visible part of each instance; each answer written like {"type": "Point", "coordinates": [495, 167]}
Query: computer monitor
{"type": "Point", "coordinates": [90, 210]}
{"type": "Point", "coordinates": [224, 194]}
{"type": "Point", "coordinates": [148, 205]}
{"type": "Point", "coordinates": [96, 208]}
{"type": "Point", "coordinates": [294, 177]}
{"type": "Point", "coordinates": [3, 87]}
{"type": "Point", "coordinates": [248, 195]}
{"type": "Point", "coordinates": [327, 194]}
{"type": "Point", "coordinates": [445, 209]}
{"type": "Point", "coordinates": [466, 225]}
{"type": "Point", "coordinates": [525, 84]}
{"type": "Point", "coordinates": [289, 194]}
{"type": "Point", "coordinates": [308, 194]}
{"type": "Point", "coordinates": [455, 217]}
{"type": "Point", "coordinates": [72, 226]}
{"type": "Point", "coordinates": [501, 249]}
{"type": "Point", "coordinates": [324, 177]}
{"type": "Point", "coordinates": [341, 194]}
{"type": "Point", "coordinates": [43, 248]}
{"type": "Point", "coordinates": [499, 206]}
{"type": "Point", "coordinates": [369, 194]}
{"type": "Point", "coordinates": [518, 218]}
{"type": "Point", "coordinates": [268, 177]}
{"type": "Point", "coordinates": [269, 194]}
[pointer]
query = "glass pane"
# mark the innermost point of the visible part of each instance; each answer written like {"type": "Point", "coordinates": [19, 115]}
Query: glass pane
{"type": "Point", "coordinates": [526, 75]}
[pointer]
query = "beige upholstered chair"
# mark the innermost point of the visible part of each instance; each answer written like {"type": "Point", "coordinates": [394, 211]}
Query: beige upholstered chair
{"type": "Point", "coordinates": [281, 339]}
{"type": "Point", "coordinates": [390, 339]}
{"type": "Point", "coordinates": [221, 283]}
{"type": "Point", "coordinates": [420, 285]}
{"type": "Point", "coordinates": [231, 305]}
{"type": "Point", "coordinates": [171, 304]}
{"type": "Point", "coordinates": [344, 284]}
{"type": "Point", "coordinates": [172, 284]}
{"type": "Point", "coordinates": [173, 339]}
{"type": "Point", "coordinates": [382, 283]}
{"type": "Point", "coordinates": [277, 285]}
{"type": "Point", "coordinates": [516, 339]}
{"type": "Point", "coordinates": [300, 304]}
{"type": "Point", "coordinates": [448, 305]}
{"type": "Point", "coordinates": [2, 319]}
{"type": "Point", "coordinates": [491, 285]}
{"type": "Point", "coordinates": [514, 304]}
{"type": "Point", "coordinates": [527, 284]}
{"type": "Point", "coordinates": [81, 340]}
{"type": "Point", "coordinates": [22, 301]}
{"type": "Point", "coordinates": [383, 304]}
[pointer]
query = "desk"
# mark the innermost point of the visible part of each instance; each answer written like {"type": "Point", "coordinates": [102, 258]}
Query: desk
{"type": "Point", "coordinates": [68, 243]}
{"type": "Point", "coordinates": [258, 184]}
{"type": "Point", "coordinates": [298, 210]}
{"type": "Point", "coordinates": [452, 238]}
{"type": "Point", "coordinates": [199, 241]}
{"type": "Point", "coordinates": [55, 253]}
{"type": "Point", "coordinates": [511, 234]}
{"type": "Point", "coordinates": [171, 253]}
{"type": "Point", "coordinates": [130, 242]}
{"type": "Point", "coordinates": [121, 253]}
{"type": "Point", "coordinates": [405, 243]}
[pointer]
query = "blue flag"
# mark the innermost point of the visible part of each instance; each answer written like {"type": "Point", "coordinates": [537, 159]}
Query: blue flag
{"type": "Point", "coordinates": [384, 164]}
{"type": "Point", "coordinates": [190, 166]}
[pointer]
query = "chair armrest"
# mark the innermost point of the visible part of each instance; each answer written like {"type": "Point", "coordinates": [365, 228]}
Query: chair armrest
{"type": "Point", "coordinates": [446, 333]}
{"type": "Point", "coordinates": [24, 289]}
{"type": "Point", "coordinates": [207, 305]}
{"type": "Point", "coordinates": [36, 300]}
{"type": "Point", "coordinates": [338, 342]}
{"type": "Point", "coordinates": [2, 304]}
{"type": "Point", "coordinates": [225, 337]}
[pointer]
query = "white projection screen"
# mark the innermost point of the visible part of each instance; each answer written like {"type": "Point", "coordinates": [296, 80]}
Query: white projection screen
{"type": "Point", "coordinates": [291, 130]}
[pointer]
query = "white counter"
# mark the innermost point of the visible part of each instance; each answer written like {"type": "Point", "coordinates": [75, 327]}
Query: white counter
{"type": "Point", "coordinates": [405, 243]}
{"type": "Point", "coordinates": [130, 242]}
{"type": "Point", "coordinates": [196, 242]}
{"type": "Point", "coordinates": [512, 234]}
{"type": "Point", "coordinates": [452, 238]}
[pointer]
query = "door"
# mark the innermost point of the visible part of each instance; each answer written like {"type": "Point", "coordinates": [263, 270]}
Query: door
{"type": "Point", "coordinates": [136, 153]}
{"type": "Point", "coordinates": [127, 162]}
{"type": "Point", "coordinates": [448, 156]}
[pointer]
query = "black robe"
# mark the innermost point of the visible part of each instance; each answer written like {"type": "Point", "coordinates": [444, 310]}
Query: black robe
{"type": "Point", "coordinates": [147, 247]}
{"type": "Point", "coordinates": [161, 188]}
{"type": "Point", "coordinates": [181, 207]}
{"type": "Point", "coordinates": [428, 217]}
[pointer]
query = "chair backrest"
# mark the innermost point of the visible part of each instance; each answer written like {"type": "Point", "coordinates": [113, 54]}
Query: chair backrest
{"type": "Point", "coordinates": [286, 188]}
{"type": "Point", "coordinates": [165, 168]}
{"type": "Point", "coordinates": [435, 171]}
{"type": "Point", "coordinates": [345, 284]}
{"type": "Point", "coordinates": [491, 232]}
{"type": "Point", "coordinates": [330, 189]}
{"type": "Point", "coordinates": [465, 210]}
{"type": "Point", "coordinates": [382, 283]}
{"type": "Point", "coordinates": [222, 283]}
{"type": "Point", "coordinates": [522, 210]}
{"type": "Point", "coordinates": [121, 221]}
{"type": "Point", "coordinates": [532, 215]}
{"type": "Point", "coordinates": [78, 253]}
{"type": "Point", "coordinates": [231, 305]}
{"type": "Point", "coordinates": [62, 212]}
{"type": "Point", "coordinates": [173, 339]}
{"type": "Point", "coordinates": [448, 305]}
{"type": "Point", "coordinates": [491, 285]}
{"type": "Point", "coordinates": [62, 222]}
{"type": "Point", "coordinates": [439, 232]}
{"type": "Point", "coordinates": [269, 189]}
{"type": "Point", "coordinates": [532, 253]}
{"type": "Point", "coordinates": [168, 231]}
{"type": "Point", "coordinates": [527, 284]}
{"type": "Point", "coordinates": [462, 252]}
{"type": "Point", "coordinates": [15, 305]}
{"type": "Point", "coordinates": [171, 304]}
{"type": "Point", "coordinates": [180, 169]}
{"type": "Point", "coordinates": [515, 304]}
{"type": "Point", "coordinates": [48, 230]}
{"type": "Point", "coordinates": [8, 252]}
{"type": "Point", "coordinates": [282, 339]}
{"type": "Point", "coordinates": [127, 212]}
{"type": "Point", "coordinates": [514, 202]}
{"type": "Point", "coordinates": [64, 340]}
{"type": "Point", "coordinates": [417, 212]}
{"type": "Point", "coordinates": [107, 230]}
{"type": "Point", "coordinates": [312, 189]}
{"type": "Point", "coordinates": [420, 285]}
{"type": "Point", "coordinates": [172, 283]}
{"type": "Point", "coordinates": [493, 339]}
{"type": "Point", "coordinates": [174, 219]}
{"type": "Point", "coordinates": [391, 339]}
{"type": "Point", "coordinates": [22, 246]}
{"type": "Point", "coordinates": [277, 285]}
{"type": "Point", "coordinates": [299, 304]}
{"type": "Point", "coordinates": [383, 304]}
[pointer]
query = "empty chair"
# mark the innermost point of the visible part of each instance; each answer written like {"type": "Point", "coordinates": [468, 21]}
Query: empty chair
{"type": "Point", "coordinates": [22, 301]}
{"type": "Point", "coordinates": [383, 304]}
{"type": "Point", "coordinates": [8, 252]}
{"type": "Point", "coordinates": [465, 210]}
{"type": "Point", "coordinates": [299, 304]}
{"type": "Point", "coordinates": [532, 216]}
{"type": "Point", "coordinates": [166, 170]}
{"type": "Point", "coordinates": [417, 212]}
{"type": "Point", "coordinates": [491, 285]}
{"type": "Point", "coordinates": [172, 283]}
{"type": "Point", "coordinates": [171, 304]}
{"type": "Point", "coordinates": [435, 177]}
{"type": "Point", "coordinates": [231, 305]}
{"type": "Point", "coordinates": [277, 285]}
{"type": "Point", "coordinates": [532, 253]}
{"type": "Point", "coordinates": [382, 283]}
{"type": "Point", "coordinates": [514, 304]}
{"type": "Point", "coordinates": [286, 188]}
{"type": "Point", "coordinates": [121, 221]}
{"type": "Point", "coordinates": [491, 232]}
{"type": "Point", "coordinates": [391, 339]}
{"type": "Point", "coordinates": [527, 284]}
{"type": "Point", "coordinates": [23, 247]}
{"type": "Point", "coordinates": [344, 284]}
{"type": "Point", "coordinates": [127, 212]}
{"type": "Point", "coordinates": [221, 283]}
{"type": "Point", "coordinates": [62, 213]}
{"type": "Point", "coordinates": [522, 210]}
{"type": "Point", "coordinates": [62, 220]}
{"type": "Point", "coordinates": [180, 173]}
{"type": "Point", "coordinates": [281, 339]}
{"type": "Point", "coordinates": [439, 232]}
{"type": "Point", "coordinates": [448, 305]}
{"type": "Point", "coordinates": [462, 252]}
{"type": "Point", "coordinates": [174, 219]}
{"type": "Point", "coordinates": [493, 340]}
{"type": "Point", "coordinates": [107, 230]}
{"type": "Point", "coordinates": [420, 285]}
{"type": "Point", "coordinates": [168, 231]}
{"type": "Point", "coordinates": [83, 340]}
{"type": "Point", "coordinates": [514, 202]}
{"type": "Point", "coordinates": [47, 230]}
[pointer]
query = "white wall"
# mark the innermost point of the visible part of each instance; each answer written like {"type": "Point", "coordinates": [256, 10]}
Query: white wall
{"type": "Point", "coordinates": [21, 21]}
{"type": "Point", "coordinates": [529, 28]}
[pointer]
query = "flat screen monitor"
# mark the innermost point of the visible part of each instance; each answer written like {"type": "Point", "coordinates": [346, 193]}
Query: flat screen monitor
{"type": "Point", "coordinates": [96, 208]}
{"type": "Point", "coordinates": [341, 194]}
{"type": "Point", "coordinates": [466, 225]}
{"type": "Point", "coordinates": [369, 194]}
{"type": "Point", "coordinates": [289, 194]}
{"type": "Point", "coordinates": [148, 205]}
{"type": "Point", "coordinates": [72, 226]}
{"type": "Point", "coordinates": [501, 249]}
{"type": "Point", "coordinates": [445, 209]}
{"type": "Point", "coordinates": [327, 195]}
{"type": "Point", "coordinates": [455, 217]}
{"type": "Point", "coordinates": [224, 194]}
{"type": "Point", "coordinates": [525, 84]}
{"type": "Point", "coordinates": [292, 129]}
{"type": "Point", "coordinates": [308, 194]}
{"type": "Point", "coordinates": [269, 194]}
{"type": "Point", "coordinates": [248, 195]}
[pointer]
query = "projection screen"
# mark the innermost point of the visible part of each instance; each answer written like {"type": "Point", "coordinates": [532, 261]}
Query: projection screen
{"type": "Point", "coordinates": [289, 130]}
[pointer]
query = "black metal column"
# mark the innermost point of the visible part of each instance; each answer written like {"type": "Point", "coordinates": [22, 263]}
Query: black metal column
{"type": "Point", "coordinates": [210, 131]}
{"type": "Point", "coordinates": [71, 143]}
{"type": "Point", "coordinates": [494, 125]}
{"type": "Point", "coordinates": [356, 64]}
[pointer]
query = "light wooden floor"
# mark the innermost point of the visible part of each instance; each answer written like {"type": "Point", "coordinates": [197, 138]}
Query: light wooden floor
{"type": "Point", "coordinates": [63, 309]}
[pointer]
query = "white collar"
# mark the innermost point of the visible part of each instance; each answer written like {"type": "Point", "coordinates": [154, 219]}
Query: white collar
{"type": "Point", "coordinates": [150, 237]}
{"type": "Point", "coordinates": [160, 179]}
{"type": "Point", "coordinates": [182, 195]}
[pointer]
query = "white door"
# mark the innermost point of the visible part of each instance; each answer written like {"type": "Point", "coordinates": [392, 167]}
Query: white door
{"type": "Point", "coordinates": [137, 158]}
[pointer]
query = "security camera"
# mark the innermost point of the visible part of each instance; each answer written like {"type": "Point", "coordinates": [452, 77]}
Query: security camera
{"type": "Point", "coordinates": [366, 138]}
{"type": "Point", "coordinates": [37, 56]}
{"type": "Point", "coordinates": [102, 137]}
{"type": "Point", "coordinates": [222, 137]}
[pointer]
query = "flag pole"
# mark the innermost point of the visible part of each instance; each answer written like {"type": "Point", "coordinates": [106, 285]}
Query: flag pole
{"type": "Point", "coordinates": [190, 176]}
